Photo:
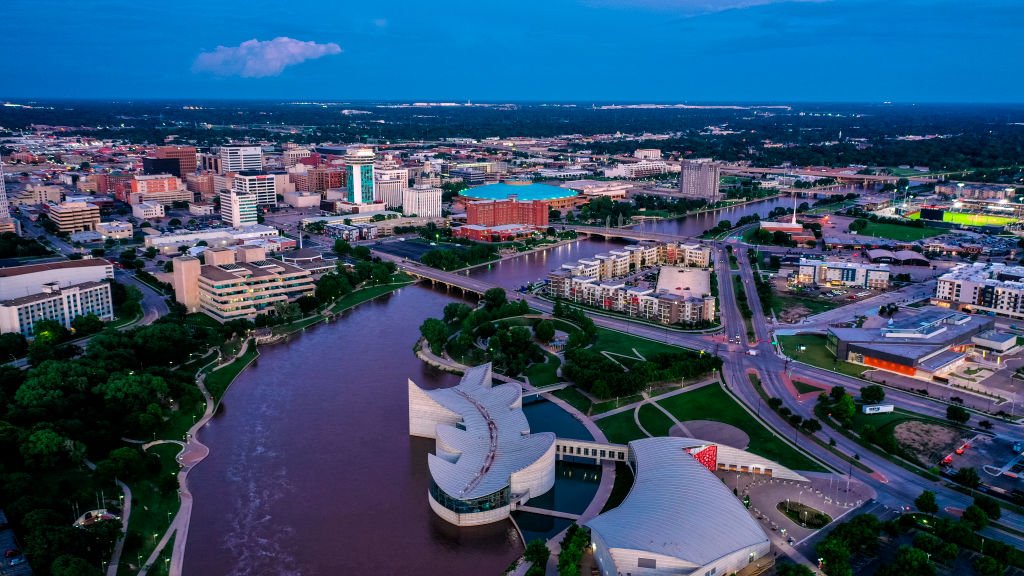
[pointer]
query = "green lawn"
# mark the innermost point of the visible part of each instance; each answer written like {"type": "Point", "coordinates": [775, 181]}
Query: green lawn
{"type": "Point", "coordinates": [154, 503]}
{"type": "Point", "coordinates": [217, 382]}
{"type": "Point", "coordinates": [816, 354]}
{"type": "Point", "coordinates": [543, 374]}
{"type": "Point", "coordinates": [622, 343]}
{"type": "Point", "coordinates": [655, 421]}
{"type": "Point", "coordinates": [621, 428]}
{"type": "Point", "coordinates": [575, 398]}
{"type": "Point", "coordinates": [804, 387]}
{"type": "Point", "coordinates": [782, 302]}
{"type": "Point", "coordinates": [898, 232]}
{"type": "Point", "coordinates": [714, 403]}
{"type": "Point", "coordinates": [602, 407]}
{"type": "Point", "coordinates": [364, 294]}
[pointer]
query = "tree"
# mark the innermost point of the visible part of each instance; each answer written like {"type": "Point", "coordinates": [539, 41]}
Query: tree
{"type": "Point", "coordinates": [88, 324]}
{"type": "Point", "coordinates": [873, 394]}
{"type": "Point", "coordinates": [988, 566]}
{"type": "Point", "coordinates": [837, 393]}
{"type": "Point", "coordinates": [341, 247]}
{"type": "Point", "coordinates": [967, 477]}
{"type": "Point", "coordinates": [957, 414]}
{"type": "Point", "coordinates": [174, 222]}
{"type": "Point", "coordinates": [812, 425]}
{"type": "Point", "coordinates": [909, 562]}
{"type": "Point", "coordinates": [12, 345]}
{"type": "Point", "coordinates": [435, 332]}
{"type": "Point", "coordinates": [844, 409]}
{"type": "Point", "coordinates": [544, 331]}
{"type": "Point", "coordinates": [989, 505]}
{"type": "Point", "coordinates": [790, 569]}
{"type": "Point", "coordinates": [307, 304]}
{"type": "Point", "coordinates": [926, 502]}
{"type": "Point", "coordinates": [361, 253]}
{"type": "Point", "coordinates": [49, 332]}
{"type": "Point", "coordinates": [456, 312]}
{"type": "Point", "coordinates": [44, 449]}
{"type": "Point", "coordinates": [495, 298]}
{"type": "Point", "coordinates": [975, 517]}
{"type": "Point", "coordinates": [537, 554]}
{"type": "Point", "coordinates": [68, 565]}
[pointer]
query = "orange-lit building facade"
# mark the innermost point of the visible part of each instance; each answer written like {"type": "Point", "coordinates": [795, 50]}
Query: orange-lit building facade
{"type": "Point", "coordinates": [503, 212]}
{"type": "Point", "coordinates": [185, 155]}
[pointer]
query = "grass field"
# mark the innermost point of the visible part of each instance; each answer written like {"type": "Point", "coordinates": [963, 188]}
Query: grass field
{"type": "Point", "coordinates": [622, 486]}
{"type": "Point", "coordinates": [655, 421]}
{"type": "Point", "coordinates": [154, 503]}
{"type": "Point", "coordinates": [897, 232]}
{"type": "Point", "coordinates": [969, 219]}
{"type": "Point", "coordinates": [782, 302]}
{"type": "Point", "coordinates": [574, 398]}
{"type": "Point", "coordinates": [602, 407]}
{"type": "Point", "coordinates": [714, 403]}
{"type": "Point", "coordinates": [621, 428]}
{"type": "Point", "coordinates": [217, 382]}
{"type": "Point", "coordinates": [804, 387]}
{"type": "Point", "coordinates": [543, 374]}
{"type": "Point", "coordinates": [816, 354]}
{"type": "Point", "coordinates": [622, 343]}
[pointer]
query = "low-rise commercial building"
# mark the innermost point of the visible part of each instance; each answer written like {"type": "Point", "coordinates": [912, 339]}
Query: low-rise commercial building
{"type": "Point", "coordinates": [928, 344]}
{"type": "Point", "coordinates": [241, 283]}
{"type": "Point", "coordinates": [238, 209]}
{"type": "Point", "coordinates": [148, 210]}
{"type": "Point", "coordinates": [825, 273]}
{"type": "Point", "coordinates": [73, 216]}
{"type": "Point", "coordinates": [614, 189]}
{"type": "Point", "coordinates": [59, 291]}
{"type": "Point", "coordinates": [162, 188]}
{"type": "Point", "coordinates": [115, 230]}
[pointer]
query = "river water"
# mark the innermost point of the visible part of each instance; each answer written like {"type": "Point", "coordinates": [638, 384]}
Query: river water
{"type": "Point", "coordinates": [311, 469]}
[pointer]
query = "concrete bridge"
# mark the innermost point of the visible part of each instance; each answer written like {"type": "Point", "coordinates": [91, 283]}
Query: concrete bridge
{"type": "Point", "coordinates": [597, 451]}
{"type": "Point", "coordinates": [631, 234]}
{"type": "Point", "coordinates": [855, 178]}
{"type": "Point", "coordinates": [459, 280]}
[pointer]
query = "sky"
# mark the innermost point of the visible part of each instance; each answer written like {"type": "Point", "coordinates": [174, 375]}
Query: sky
{"type": "Point", "coordinates": [520, 50]}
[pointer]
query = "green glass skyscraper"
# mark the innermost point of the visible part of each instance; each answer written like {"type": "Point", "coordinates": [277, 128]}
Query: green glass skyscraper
{"type": "Point", "coordinates": [359, 175]}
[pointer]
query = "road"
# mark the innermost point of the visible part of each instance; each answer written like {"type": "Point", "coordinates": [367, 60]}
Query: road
{"type": "Point", "coordinates": [895, 486]}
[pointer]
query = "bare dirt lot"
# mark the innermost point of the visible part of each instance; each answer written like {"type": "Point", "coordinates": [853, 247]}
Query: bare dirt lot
{"type": "Point", "coordinates": [927, 442]}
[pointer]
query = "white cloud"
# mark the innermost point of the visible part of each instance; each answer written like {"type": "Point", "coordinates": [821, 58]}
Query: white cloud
{"type": "Point", "coordinates": [258, 58]}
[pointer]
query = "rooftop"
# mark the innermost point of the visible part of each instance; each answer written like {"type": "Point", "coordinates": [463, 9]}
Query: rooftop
{"type": "Point", "coordinates": [520, 191]}
{"type": "Point", "coordinates": [684, 281]}
{"type": "Point", "coordinates": [677, 508]}
{"type": "Point", "coordinates": [51, 266]}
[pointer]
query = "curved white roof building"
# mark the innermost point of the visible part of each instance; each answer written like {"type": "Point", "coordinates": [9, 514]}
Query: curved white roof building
{"type": "Point", "coordinates": [678, 518]}
{"type": "Point", "coordinates": [486, 460]}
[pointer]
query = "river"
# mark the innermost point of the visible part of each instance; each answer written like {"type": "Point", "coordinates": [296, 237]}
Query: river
{"type": "Point", "coordinates": [311, 469]}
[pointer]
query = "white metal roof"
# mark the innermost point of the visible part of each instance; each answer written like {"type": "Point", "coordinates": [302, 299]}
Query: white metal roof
{"type": "Point", "coordinates": [677, 508]}
{"type": "Point", "coordinates": [496, 441]}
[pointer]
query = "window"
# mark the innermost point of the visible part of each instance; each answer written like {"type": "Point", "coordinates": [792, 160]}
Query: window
{"type": "Point", "coordinates": [646, 563]}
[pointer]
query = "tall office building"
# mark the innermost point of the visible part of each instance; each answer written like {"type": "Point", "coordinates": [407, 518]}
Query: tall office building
{"type": "Point", "coordinates": [699, 179]}
{"type": "Point", "coordinates": [359, 175]}
{"type": "Point", "coordinates": [185, 155]}
{"type": "Point", "coordinates": [5, 209]}
{"type": "Point", "coordinates": [238, 209]}
{"type": "Point", "coordinates": [263, 185]}
{"type": "Point", "coordinates": [423, 201]}
{"type": "Point", "coordinates": [235, 158]}
{"type": "Point", "coordinates": [390, 186]}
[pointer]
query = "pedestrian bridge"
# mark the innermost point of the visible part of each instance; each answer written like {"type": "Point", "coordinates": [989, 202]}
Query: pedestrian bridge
{"type": "Point", "coordinates": [597, 451]}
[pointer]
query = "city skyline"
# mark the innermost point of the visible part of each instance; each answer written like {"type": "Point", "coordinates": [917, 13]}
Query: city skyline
{"type": "Point", "coordinates": [683, 50]}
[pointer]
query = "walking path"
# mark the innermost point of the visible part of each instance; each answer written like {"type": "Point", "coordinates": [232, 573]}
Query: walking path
{"type": "Point", "coordinates": [193, 452]}
{"type": "Point", "coordinates": [654, 399]}
{"type": "Point", "coordinates": [126, 511]}
{"type": "Point", "coordinates": [546, 512]}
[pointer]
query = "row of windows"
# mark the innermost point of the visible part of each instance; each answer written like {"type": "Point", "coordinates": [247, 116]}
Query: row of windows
{"type": "Point", "coordinates": [491, 501]}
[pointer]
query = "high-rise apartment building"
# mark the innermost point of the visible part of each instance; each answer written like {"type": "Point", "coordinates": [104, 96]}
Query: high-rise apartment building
{"type": "Point", "coordinates": [359, 175]}
{"type": "Point", "coordinates": [185, 155]}
{"type": "Point", "coordinates": [699, 179]}
{"type": "Point", "coordinates": [423, 201]}
{"type": "Point", "coordinates": [261, 184]}
{"type": "Point", "coordinates": [236, 158]}
{"type": "Point", "coordinates": [238, 208]}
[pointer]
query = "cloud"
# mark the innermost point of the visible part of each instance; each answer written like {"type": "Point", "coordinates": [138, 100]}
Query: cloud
{"type": "Point", "coordinates": [259, 58]}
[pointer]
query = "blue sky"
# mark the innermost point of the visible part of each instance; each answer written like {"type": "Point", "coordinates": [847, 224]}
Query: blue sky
{"type": "Point", "coordinates": [546, 50]}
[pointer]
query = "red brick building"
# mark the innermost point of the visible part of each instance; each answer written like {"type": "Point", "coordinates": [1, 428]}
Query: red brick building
{"type": "Point", "coordinates": [501, 212]}
{"type": "Point", "coordinates": [185, 155]}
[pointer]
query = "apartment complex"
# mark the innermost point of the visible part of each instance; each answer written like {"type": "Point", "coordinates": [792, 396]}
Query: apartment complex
{"type": "Point", "coordinates": [512, 211]}
{"type": "Point", "coordinates": [682, 293]}
{"type": "Point", "coordinates": [854, 274]}
{"type": "Point", "coordinates": [992, 288]}
{"type": "Point", "coordinates": [259, 184]}
{"type": "Point", "coordinates": [236, 158]}
{"type": "Point", "coordinates": [237, 208]}
{"type": "Point", "coordinates": [240, 283]}
{"type": "Point", "coordinates": [647, 154]}
{"type": "Point", "coordinates": [423, 201]}
{"type": "Point", "coordinates": [185, 155]}
{"type": "Point", "coordinates": [641, 169]}
{"type": "Point", "coordinates": [74, 216]}
{"type": "Point", "coordinates": [699, 179]}
{"type": "Point", "coordinates": [59, 291]}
